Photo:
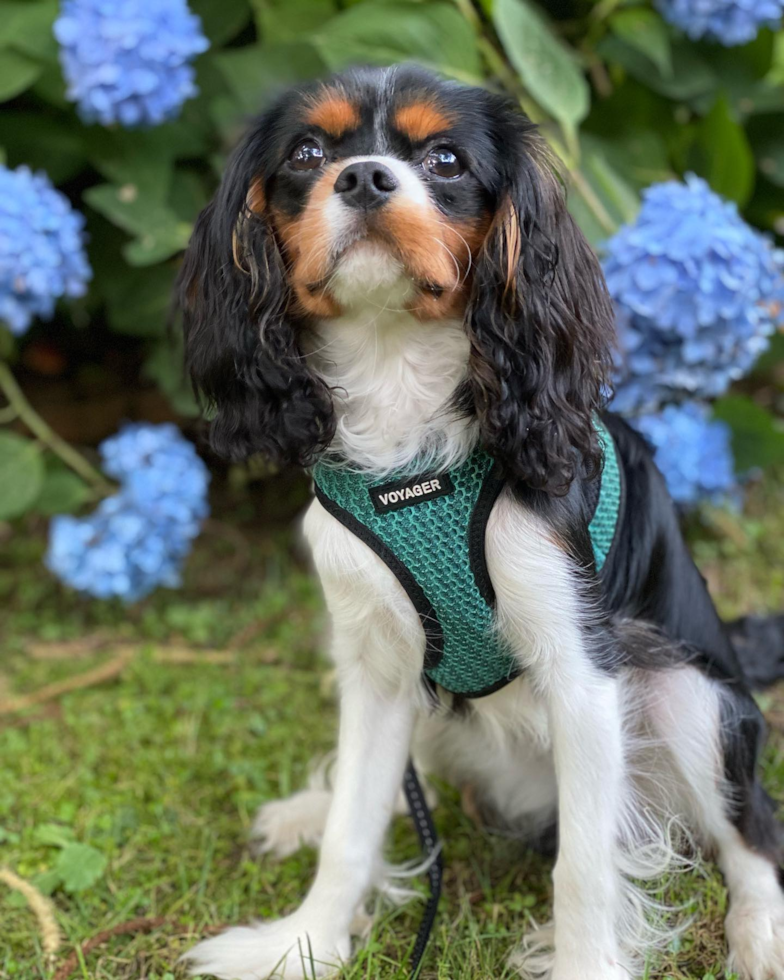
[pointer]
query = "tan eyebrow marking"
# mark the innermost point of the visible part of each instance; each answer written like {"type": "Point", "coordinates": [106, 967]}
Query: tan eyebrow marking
{"type": "Point", "coordinates": [334, 113]}
{"type": "Point", "coordinates": [419, 120]}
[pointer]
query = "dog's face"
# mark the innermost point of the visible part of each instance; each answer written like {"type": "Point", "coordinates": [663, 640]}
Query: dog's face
{"type": "Point", "coordinates": [378, 177]}
{"type": "Point", "coordinates": [394, 178]}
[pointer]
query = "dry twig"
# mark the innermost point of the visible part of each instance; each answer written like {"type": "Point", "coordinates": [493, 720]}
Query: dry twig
{"type": "Point", "coordinates": [99, 675]}
{"type": "Point", "coordinates": [41, 907]}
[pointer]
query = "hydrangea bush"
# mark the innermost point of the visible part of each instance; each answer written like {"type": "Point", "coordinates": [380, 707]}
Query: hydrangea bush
{"type": "Point", "coordinates": [698, 294]}
{"type": "Point", "coordinates": [730, 22]}
{"type": "Point", "coordinates": [697, 289]}
{"type": "Point", "coordinates": [137, 539]}
{"type": "Point", "coordinates": [42, 254]}
{"type": "Point", "coordinates": [693, 452]}
{"type": "Point", "coordinates": [128, 61]}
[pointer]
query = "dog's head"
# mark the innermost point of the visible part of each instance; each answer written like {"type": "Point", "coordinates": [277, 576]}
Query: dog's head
{"type": "Point", "coordinates": [380, 177]}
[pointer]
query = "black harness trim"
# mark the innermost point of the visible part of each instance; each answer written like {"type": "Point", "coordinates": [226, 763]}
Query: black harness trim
{"type": "Point", "coordinates": [491, 488]}
{"type": "Point", "coordinates": [434, 634]}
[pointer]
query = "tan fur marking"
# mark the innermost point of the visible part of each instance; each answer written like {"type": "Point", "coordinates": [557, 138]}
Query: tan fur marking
{"type": "Point", "coordinates": [506, 224]}
{"type": "Point", "coordinates": [255, 198]}
{"type": "Point", "coordinates": [420, 120]}
{"type": "Point", "coordinates": [306, 242]}
{"type": "Point", "coordinates": [333, 113]}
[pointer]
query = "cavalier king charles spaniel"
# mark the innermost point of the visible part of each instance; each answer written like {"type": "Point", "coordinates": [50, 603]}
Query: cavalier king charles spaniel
{"type": "Point", "coordinates": [388, 280]}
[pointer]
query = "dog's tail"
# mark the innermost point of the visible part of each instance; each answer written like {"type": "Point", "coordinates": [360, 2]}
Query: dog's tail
{"type": "Point", "coordinates": [759, 641]}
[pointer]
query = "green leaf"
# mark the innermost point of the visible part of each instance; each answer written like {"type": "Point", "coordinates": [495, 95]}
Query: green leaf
{"type": "Point", "coordinates": [600, 198]}
{"type": "Point", "coordinates": [62, 493]}
{"type": "Point", "coordinates": [770, 158]}
{"type": "Point", "coordinates": [288, 20]}
{"type": "Point", "coordinates": [17, 74]}
{"type": "Point", "coordinates": [80, 866]}
{"type": "Point", "coordinates": [548, 70]}
{"type": "Point", "coordinates": [757, 438]}
{"type": "Point", "coordinates": [389, 31]}
{"type": "Point", "coordinates": [221, 20]}
{"type": "Point", "coordinates": [43, 141]}
{"type": "Point", "coordinates": [254, 72]}
{"type": "Point", "coordinates": [164, 367]}
{"type": "Point", "coordinates": [691, 75]}
{"type": "Point", "coordinates": [53, 835]}
{"type": "Point", "coordinates": [160, 233]}
{"type": "Point", "coordinates": [21, 474]}
{"type": "Point", "coordinates": [644, 30]}
{"type": "Point", "coordinates": [27, 27]}
{"type": "Point", "coordinates": [188, 195]}
{"type": "Point", "coordinates": [159, 242]}
{"type": "Point", "coordinates": [725, 158]}
{"type": "Point", "coordinates": [138, 300]}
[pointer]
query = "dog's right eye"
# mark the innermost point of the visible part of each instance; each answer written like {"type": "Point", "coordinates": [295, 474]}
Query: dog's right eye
{"type": "Point", "coordinates": [307, 156]}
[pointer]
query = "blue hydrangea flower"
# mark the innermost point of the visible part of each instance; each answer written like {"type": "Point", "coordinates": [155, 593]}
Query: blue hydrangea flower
{"type": "Point", "coordinates": [730, 22]}
{"type": "Point", "coordinates": [698, 292]}
{"type": "Point", "coordinates": [693, 452]}
{"type": "Point", "coordinates": [42, 256]}
{"type": "Point", "coordinates": [159, 470]}
{"type": "Point", "coordinates": [139, 538]}
{"type": "Point", "coordinates": [128, 61]}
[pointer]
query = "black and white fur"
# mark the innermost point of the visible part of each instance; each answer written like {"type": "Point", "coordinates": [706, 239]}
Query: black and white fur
{"type": "Point", "coordinates": [631, 715]}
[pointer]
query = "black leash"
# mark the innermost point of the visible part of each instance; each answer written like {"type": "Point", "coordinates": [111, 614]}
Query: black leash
{"type": "Point", "coordinates": [428, 840]}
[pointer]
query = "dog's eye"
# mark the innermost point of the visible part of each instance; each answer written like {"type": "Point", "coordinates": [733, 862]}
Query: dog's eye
{"type": "Point", "coordinates": [307, 156]}
{"type": "Point", "coordinates": [443, 162]}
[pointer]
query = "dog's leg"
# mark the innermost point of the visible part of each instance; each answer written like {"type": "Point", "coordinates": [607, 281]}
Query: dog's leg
{"type": "Point", "coordinates": [587, 739]}
{"type": "Point", "coordinates": [375, 733]}
{"type": "Point", "coordinates": [713, 733]}
{"type": "Point", "coordinates": [549, 622]}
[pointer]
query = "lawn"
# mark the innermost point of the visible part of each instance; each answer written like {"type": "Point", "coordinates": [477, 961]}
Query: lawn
{"type": "Point", "coordinates": [133, 796]}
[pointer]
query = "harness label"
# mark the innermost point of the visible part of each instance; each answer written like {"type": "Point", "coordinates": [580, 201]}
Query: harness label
{"type": "Point", "coordinates": [394, 496]}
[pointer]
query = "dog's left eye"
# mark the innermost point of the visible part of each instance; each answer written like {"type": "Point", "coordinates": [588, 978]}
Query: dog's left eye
{"type": "Point", "coordinates": [307, 156]}
{"type": "Point", "coordinates": [443, 162]}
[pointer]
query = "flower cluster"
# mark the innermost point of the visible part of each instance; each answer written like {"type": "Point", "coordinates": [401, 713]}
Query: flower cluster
{"type": "Point", "coordinates": [137, 539]}
{"type": "Point", "coordinates": [697, 291]}
{"type": "Point", "coordinates": [729, 22]}
{"type": "Point", "coordinates": [128, 61]}
{"type": "Point", "coordinates": [692, 450]}
{"type": "Point", "coordinates": [42, 254]}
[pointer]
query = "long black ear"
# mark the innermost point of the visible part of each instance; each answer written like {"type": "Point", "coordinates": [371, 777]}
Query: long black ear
{"type": "Point", "coordinates": [541, 326]}
{"type": "Point", "coordinates": [241, 348]}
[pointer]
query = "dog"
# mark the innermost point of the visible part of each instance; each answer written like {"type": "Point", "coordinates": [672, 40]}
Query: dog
{"type": "Point", "coordinates": [386, 284]}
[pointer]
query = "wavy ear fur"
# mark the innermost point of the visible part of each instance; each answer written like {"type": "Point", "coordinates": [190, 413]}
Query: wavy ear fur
{"type": "Point", "coordinates": [241, 349]}
{"type": "Point", "coordinates": [541, 325]}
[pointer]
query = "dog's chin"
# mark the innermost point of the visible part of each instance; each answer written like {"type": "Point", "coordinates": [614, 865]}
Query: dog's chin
{"type": "Point", "coordinates": [369, 272]}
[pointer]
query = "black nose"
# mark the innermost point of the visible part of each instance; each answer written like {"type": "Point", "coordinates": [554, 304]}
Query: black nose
{"type": "Point", "coordinates": [366, 185]}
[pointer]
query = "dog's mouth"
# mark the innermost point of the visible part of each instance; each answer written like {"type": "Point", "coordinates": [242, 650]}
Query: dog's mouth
{"type": "Point", "coordinates": [403, 255]}
{"type": "Point", "coordinates": [370, 257]}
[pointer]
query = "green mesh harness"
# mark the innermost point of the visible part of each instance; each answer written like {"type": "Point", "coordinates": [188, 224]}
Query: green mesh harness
{"type": "Point", "coordinates": [430, 531]}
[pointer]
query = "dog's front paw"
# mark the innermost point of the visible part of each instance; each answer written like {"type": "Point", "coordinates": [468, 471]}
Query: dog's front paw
{"type": "Point", "coordinates": [283, 948]}
{"type": "Point", "coordinates": [283, 826]}
{"type": "Point", "coordinates": [755, 934]}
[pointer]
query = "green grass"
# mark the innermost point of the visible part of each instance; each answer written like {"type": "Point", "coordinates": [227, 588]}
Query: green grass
{"type": "Point", "coordinates": [160, 772]}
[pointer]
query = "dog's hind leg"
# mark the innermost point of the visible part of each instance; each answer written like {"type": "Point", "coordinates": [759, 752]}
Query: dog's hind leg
{"type": "Point", "coordinates": [282, 827]}
{"type": "Point", "coordinates": [713, 733]}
